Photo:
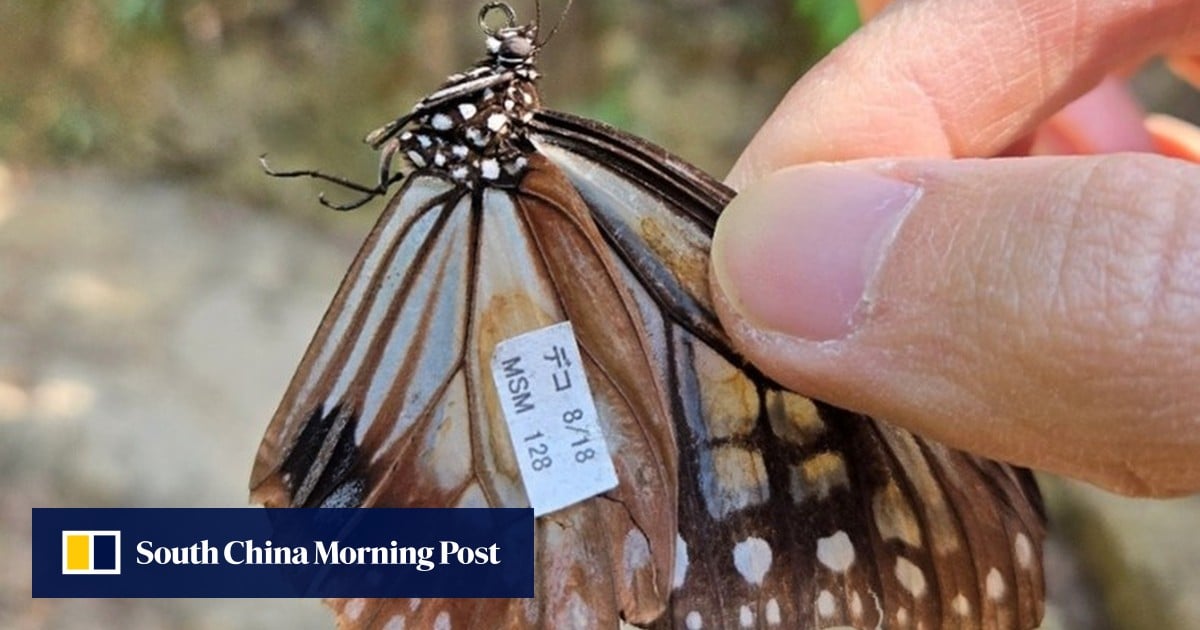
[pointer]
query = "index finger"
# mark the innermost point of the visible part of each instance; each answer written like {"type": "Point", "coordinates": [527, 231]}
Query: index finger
{"type": "Point", "coordinates": [945, 78]}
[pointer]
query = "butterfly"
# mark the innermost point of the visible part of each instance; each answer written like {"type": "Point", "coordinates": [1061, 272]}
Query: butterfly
{"type": "Point", "coordinates": [739, 504]}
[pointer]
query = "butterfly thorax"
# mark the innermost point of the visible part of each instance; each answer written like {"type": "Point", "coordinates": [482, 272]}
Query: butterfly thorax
{"type": "Point", "coordinates": [472, 129]}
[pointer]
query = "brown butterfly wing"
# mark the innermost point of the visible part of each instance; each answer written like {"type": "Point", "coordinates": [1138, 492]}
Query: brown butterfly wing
{"type": "Point", "coordinates": [394, 407]}
{"type": "Point", "coordinates": [794, 513]}
{"type": "Point", "coordinates": [739, 505]}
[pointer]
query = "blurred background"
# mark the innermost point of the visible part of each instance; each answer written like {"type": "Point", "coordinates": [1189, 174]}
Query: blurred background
{"type": "Point", "coordinates": [156, 290]}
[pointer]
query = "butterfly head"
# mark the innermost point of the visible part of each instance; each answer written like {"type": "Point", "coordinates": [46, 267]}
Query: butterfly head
{"type": "Point", "coordinates": [510, 45]}
{"type": "Point", "coordinates": [513, 46]}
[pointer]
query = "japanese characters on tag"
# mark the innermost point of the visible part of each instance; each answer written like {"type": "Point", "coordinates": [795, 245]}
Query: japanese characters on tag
{"type": "Point", "coordinates": [552, 418]}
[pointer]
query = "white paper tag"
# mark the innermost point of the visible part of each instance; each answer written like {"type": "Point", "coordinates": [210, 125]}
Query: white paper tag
{"type": "Point", "coordinates": [552, 418]}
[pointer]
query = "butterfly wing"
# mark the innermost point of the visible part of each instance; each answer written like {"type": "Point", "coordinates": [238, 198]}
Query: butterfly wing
{"type": "Point", "coordinates": [739, 504]}
{"type": "Point", "coordinates": [793, 513]}
{"type": "Point", "coordinates": [392, 406]}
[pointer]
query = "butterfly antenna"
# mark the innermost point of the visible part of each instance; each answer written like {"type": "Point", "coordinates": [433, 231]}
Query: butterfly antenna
{"type": "Point", "coordinates": [561, 18]}
{"type": "Point", "coordinates": [368, 192]}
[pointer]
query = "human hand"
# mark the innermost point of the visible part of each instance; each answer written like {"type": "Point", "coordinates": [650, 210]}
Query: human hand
{"type": "Point", "coordinates": [1039, 310]}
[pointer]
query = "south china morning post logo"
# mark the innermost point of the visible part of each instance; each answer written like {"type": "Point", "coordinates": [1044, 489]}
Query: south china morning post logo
{"type": "Point", "coordinates": [91, 552]}
{"type": "Point", "coordinates": [321, 552]}
{"type": "Point", "coordinates": [252, 552]}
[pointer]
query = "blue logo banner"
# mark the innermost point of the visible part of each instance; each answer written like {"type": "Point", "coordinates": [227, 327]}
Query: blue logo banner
{"type": "Point", "coordinates": [251, 552]}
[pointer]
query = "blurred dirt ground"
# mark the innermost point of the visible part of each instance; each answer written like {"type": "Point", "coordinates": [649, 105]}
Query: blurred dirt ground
{"type": "Point", "coordinates": [156, 291]}
{"type": "Point", "coordinates": [144, 342]}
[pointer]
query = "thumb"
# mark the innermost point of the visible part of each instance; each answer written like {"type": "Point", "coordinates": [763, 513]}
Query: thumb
{"type": "Point", "coordinates": [1044, 311]}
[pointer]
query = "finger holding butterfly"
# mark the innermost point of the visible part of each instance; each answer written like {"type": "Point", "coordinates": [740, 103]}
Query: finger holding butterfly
{"type": "Point", "coordinates": [1042, 311]}
{"type": "Point", "coordinates": [954, 79]}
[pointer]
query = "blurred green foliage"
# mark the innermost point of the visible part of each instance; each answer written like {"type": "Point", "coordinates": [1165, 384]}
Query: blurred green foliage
{"type": "Point", "coordinates": [139, 14]}
{"type": "Point", "coordinates": [382, 24]}
{"type": "Point", "coordinates": [832, 21]}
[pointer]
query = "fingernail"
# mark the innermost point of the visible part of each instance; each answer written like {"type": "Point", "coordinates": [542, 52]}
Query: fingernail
{"type": "Point", "coordinates": [794, 252]}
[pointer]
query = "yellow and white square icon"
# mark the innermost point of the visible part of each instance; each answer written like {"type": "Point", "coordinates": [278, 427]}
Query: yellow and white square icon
{"type": "Point", "coordinates": [91, 552]}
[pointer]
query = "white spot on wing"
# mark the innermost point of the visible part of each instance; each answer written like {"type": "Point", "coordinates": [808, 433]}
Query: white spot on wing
{"type": "Point", "coordinates": [354, 608]}
{"type": "Point", "coordinates": [496, 122]}
{"type": "Point", "coordinates": [489, 169]}
{"type": "Point", "coordinates": [395, 623]}
{"type": "Point", "coordinates": [746, 616]}
{"type": "Point", "coordinates": [466, 110]}
{"type": "Point", "coordinates": [637, 549]}
{"type": "Point", "coordinates": [441, 122]}
{"type": "Point", "coordinates": [752, 557]}
{"type": "Point", "coordinates": [694, 621]}
{"type": "Point", "coordinates": [442, 622]}
{"type": "Point", "coordinates": [826, 604]}
{"type": "Point", "coordinates": [1023, 550]}
{"type": "Point", "coordinates": [836, 551]}
{"type": "Point", "coordinates": [681, 562]}
{"type": "Point", "coordinates": [636, 555]}
{"type": "Point", "coordinates": [772, 613]}
{"type": "Point", "coordinates": [995, 585]}
{"type": "Point", "coordinates": [960, 605]}
{"type": "Point", "coordinates": [910, 577]}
